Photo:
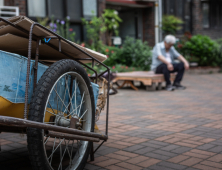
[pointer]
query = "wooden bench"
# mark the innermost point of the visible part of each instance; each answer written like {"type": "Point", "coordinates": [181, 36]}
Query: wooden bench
{"type": "Point", "coordinates": [148, 78]}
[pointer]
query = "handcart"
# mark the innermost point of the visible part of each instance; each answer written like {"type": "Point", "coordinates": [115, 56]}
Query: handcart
{"type": "Point", "coordinates": [49, 96]}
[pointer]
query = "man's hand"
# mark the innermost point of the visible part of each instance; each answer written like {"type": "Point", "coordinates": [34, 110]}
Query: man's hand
{"type": "Point", "coordinates": [186, 65]}
{"type": "Point", "coordinates": [170, 67]}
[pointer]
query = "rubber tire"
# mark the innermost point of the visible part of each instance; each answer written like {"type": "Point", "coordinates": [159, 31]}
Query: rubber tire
{"type": "Point", "coordinates": [35, 137]}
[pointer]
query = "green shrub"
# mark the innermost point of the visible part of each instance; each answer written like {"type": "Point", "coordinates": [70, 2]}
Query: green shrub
{"type": "Point", "coordinates": [111, 20]}
{"type": "Point", "coordinates": [112, 53]}
{"type": "Point", "coordinates": [202, 48]}
{"type": "Point", "coordinates": [171, 24]}
{"type": "Point", "coordinates": [135, 53]}
{"type": "Point", "coordinates": [94, 28]}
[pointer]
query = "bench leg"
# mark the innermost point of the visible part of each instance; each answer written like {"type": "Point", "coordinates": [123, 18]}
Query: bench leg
{"type": "Point", "coordinates": [159, 87]}
{"type": "Point", "coordinates": [132, 85]}
{"type": "Point", "coordinates": [128, 82]}
{"type": "Point", "coordinates": [152, 87]}
{"type": "Point", "coordinates": [119, 87]}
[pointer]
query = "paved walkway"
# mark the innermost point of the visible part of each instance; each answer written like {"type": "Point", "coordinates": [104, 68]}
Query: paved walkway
{"type": "Point", "coordinates": [152, 130]}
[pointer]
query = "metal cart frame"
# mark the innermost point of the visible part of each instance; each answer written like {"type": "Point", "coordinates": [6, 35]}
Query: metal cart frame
{"type": "Point", "coordinates": [24, 123]}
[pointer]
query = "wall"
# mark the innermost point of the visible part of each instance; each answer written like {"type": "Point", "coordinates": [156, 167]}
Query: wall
{"type": "Point", "coordinates": [149, 26]}
{"type": "Point", "coordinates": [197, 23]}
{"type": "Point", "coordinates": [19, 3]}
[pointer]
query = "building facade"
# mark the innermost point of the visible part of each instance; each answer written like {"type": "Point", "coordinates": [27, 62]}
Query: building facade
{"type": "Point", "coordinates": [199, 16]}
{"type": "Point", "coordinates": [137, 16]}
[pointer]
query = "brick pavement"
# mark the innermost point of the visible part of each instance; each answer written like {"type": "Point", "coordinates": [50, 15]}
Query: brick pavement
{"type": "Point", "coordinates": [151, 130]}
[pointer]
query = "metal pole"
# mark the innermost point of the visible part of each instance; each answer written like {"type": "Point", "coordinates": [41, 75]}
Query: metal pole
{"type": "Point", "coordinates": [36, 63]}
{"type": "Point", "coordinates": [160, 21]}
{"type": "Point", "coordinates": [156, 22]}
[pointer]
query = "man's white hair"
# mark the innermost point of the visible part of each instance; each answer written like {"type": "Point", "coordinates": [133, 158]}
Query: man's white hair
{"type": "Point", "coordinates": [170, 39]}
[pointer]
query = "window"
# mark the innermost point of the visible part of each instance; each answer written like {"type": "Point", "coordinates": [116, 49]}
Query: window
{"type": "Point", "coordinates": [205, 10]}
{"type": "Point", "coordinates": [36, 8]}
{"type": "Point", "coordinates": [89, 6]}
{"type": "Point", "coordinates": [59, 9]}
{"type": "Point", "coordinates": [55, 8]}
{"type": "Point", "coordinates": [74, 9]}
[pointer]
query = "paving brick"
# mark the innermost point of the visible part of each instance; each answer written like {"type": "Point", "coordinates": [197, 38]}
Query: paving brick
{"type": "Point", "coordinates": [170, 147]}
{"type": "Point", "coordinates": [107, 162]}
{"type": "Point", "coordinates": [116, 156]}
{"type": "Point", "coordinates": [159, 143]}
{"type": "Point", "coordinates": [114, 167]}
{"type": "Point", "coordinates": [128, 154]}
{"type": "Point", "coordinates": [204, 167]}
{"type": "Point", "coordinates": [149, 162]}
{"type": "Point", "coordinates": [216, 158]}
{"type": "Point", "coordinates": [144, 150]}
{"type": "Point", "coordinates": [157, 167]}
{"type": "Point", "coordinates": [178, 158]}
{"type": "Point", "coordinates": [191, 161]}
{"type": "Point", "coordinates": [181, 150]}
{"type": "Point", "coordinates": [137, 159]}
{"type": "Point", "coordinates": [164, 153]}
{"type": "Point", "coordinates": [206, 147]}
{"type": "Point", "coordinates": [171, 165]}
{"type": "Point", "coordinates": [134, 147]}
{"type": "Point", "coordinates": [157, 156]}
{"type": "Point", "coordinates": [196, 155]}
{"type": "Point", "coordinates": [212, 164]}
{"type": "Point", "coordinates": [128, 166]}
{"type": "Point", "coordinates": [92, 167]}
{"type": "Point", "coordinates": [216, 149]}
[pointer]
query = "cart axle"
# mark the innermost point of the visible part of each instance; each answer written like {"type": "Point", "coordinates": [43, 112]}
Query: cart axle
{"type": "Point", "coordinates": [11, 121]}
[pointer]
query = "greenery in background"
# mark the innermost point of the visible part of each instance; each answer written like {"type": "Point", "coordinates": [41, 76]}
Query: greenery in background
{"type": "Point", "coordinates": [62, 28]}
{"type": "Point", "coordinates": [111, 20]}
{"type": "Point", "coordinates": [43, 21]}
{"type": "Point", "coordinates": [116, 68]}
{"type": "Point", "coordinates": [201, 49]}
{"type": "Point", "coordinates": [94, 29]}
{"type": "Point", "coordinates": [135, 53]}
{"type": "Point", "coordinates": [171, 24]}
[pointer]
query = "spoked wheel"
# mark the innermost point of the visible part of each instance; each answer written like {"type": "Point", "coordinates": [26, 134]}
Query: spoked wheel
{"type": "Point", "coordinates": [63, 97]}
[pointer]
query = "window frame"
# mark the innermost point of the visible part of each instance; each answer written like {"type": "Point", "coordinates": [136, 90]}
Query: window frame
{"type": "Point", "coordinates": [202, 4]}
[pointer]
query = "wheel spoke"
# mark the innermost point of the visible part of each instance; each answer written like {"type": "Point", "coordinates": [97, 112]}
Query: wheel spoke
{"type": "Point", "coordinates": [81, 103]}
{"type": "Point", "coordinates": [74, 110]}
{"type": "Point", "coordinates": [75, 95]}
{"type": "Point", "coordinates": [52, 151]}
{"type": "Point", "coordinates": [83, 115]}
{"type": "Point", "coordinates": [65, 92]}
{"type": "Point", "coordinates": [46, 140]}
{"type": "Point", "coordinates": [51, 112]}
{"type": "Point", "coordinates": [70, 98]}
{"type": "Point", "coordinates": [60, 98]}
{"type": "Point", "coordinates": [55, 149]}
{"type": "Point", "coordinates": [71, 155]}
{"type": "Point", "coordinates": [51, 107]}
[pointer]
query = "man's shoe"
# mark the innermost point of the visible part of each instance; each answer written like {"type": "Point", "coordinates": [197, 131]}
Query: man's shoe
{"type": "Point", "coordinates": [178, 86]}
{"type": "Point", "coordinates": [170, 87]}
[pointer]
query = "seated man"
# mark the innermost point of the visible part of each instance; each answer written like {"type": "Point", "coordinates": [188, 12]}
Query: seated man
{"type": "Point", "coordinates": [164, 54]}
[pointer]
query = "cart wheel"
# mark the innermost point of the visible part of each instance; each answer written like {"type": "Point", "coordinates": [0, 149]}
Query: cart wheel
{"type": "Point", "coordinates": [63, 93]}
